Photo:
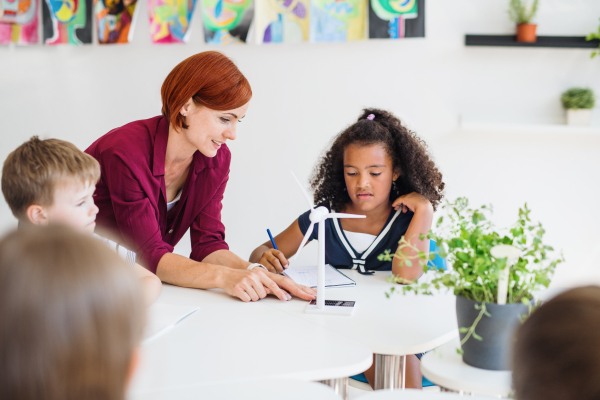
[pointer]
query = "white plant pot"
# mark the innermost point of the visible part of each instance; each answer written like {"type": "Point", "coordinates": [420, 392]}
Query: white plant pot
{"type": "Point", "coordinates": [579, 117]}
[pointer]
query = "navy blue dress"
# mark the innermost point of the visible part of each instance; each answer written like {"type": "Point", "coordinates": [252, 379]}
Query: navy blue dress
{"type": "Point", "coordinates": [340, 253]}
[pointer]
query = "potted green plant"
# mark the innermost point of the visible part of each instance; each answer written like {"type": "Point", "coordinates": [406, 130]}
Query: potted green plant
{"type": "Point", "coordinates": [467, 239]}
{"type": "Point", "coordinates": [521, 13]}
{"type": "Point", "coordinates": [594, 36]}
{"type": "Point", "coordinates": [579, 103]}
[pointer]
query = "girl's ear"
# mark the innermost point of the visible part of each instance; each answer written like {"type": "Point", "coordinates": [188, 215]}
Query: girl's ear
{"type": "Point", "coordinates": [37, 215]}
{"type": "Point", "coordinates": [396, 175]}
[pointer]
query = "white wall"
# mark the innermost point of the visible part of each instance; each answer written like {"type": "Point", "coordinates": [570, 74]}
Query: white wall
{"type": "Point", "coordinates": [306, 93]}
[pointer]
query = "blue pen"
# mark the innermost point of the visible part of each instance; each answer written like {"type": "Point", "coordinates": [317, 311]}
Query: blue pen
{"type": "Point", "coordinates": [273, 241]}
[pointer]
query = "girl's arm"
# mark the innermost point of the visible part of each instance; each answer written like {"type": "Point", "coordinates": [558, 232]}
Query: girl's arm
{"type": "Point", "coordinates": [287, 242]}
{"type": "Point", "coordinates": [420, 224]}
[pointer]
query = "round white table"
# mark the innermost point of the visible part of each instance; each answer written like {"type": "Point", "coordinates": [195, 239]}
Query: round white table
{"type": "Point", "coordinates": [445, 367]}
{"type": "Point", "coordinates": [227, 340]}
{"type": "Point", "coordinates": [411, 394]}
{"type": "Point", "coordinates": [254, 390]}
{"type": "Point", "coordinates": [391, 327]}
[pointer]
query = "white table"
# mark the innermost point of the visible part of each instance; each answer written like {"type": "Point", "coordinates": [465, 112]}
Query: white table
{"type": "Point", "coordinates": [227, 340]}
{"type": "Point", "coordinates": [445, 367]}
{"type": "Point", "coordinates": [412, 394]}
{"type": "Point", "coordinates": [254, 390]}
{"type": "Point", "coordinates": [391, 327]}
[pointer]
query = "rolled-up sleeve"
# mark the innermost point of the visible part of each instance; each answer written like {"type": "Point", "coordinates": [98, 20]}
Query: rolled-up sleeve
{"type": "Point", "coordinates": [207, 232]}
{"type": "Point", "coordinates": [134, 213]}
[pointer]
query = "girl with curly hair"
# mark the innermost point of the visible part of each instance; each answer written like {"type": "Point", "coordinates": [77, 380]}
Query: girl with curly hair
{"type": "Point", "coordinates": [377, 168]}
{"type": "Point", "coordinates": [380, 169]}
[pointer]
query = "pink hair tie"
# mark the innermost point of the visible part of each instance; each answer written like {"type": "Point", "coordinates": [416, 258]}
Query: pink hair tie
{"type": "Point", "coordinates": [371, 117]}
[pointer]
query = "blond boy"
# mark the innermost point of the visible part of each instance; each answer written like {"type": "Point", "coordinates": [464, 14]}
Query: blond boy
{"type": "Point", "coordinates": [51, 180]}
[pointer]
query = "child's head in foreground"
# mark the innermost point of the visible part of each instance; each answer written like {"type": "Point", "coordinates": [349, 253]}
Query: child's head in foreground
{"type": "Point", "coordinates": [377, 148]}
{"type": "Point", "coordinates": [557, 350]}
{"type": "Point", "coordinates": [71, 317]}
{"type": "Point", "coordinates": [51, 180]}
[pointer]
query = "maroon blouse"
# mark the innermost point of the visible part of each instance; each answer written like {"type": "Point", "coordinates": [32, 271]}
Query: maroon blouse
{"type": "Point", "coordinates": [131, 193]}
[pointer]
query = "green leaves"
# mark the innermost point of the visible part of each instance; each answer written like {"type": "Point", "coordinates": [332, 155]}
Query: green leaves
{"type": "Point", "coordinates": [521, 12]}
{"type": "Point", "coordinates": [592, 36]}
{"type": "Point", "coordinates": [465, 236]}
{"type": "Point", "coordinates": [578, 98]}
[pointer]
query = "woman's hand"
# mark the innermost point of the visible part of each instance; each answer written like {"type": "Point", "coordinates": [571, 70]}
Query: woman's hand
{"type": "Point", "coordinates": [304, 292]}
{"type": "Point", "coordinates": [274, 260]}
{"type": "Point", "coordinates": [256, 284]}
{"type": "Point", "coordinates": [251, 285]}
{"type": "Point", "coordinates": [412, 202]}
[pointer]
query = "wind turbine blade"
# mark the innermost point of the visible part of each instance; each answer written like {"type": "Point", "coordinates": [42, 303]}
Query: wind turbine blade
{"type": "Point", "coordinates": [310, 204]}
{"type": "Point", "coordinates": [304, 240]}
{"type": "Point", "coordinates": [342, 215]}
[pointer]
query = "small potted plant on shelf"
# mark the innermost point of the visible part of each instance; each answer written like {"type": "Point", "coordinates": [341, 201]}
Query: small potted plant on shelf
{"type": "Point", "coordinates": [493, 273]}
{"type": "Point", "coordinates": [579, 103]}
{"type": "Point", "coordinates": [594, 36]}
{"type": "Point", "coordinates": [521, 13]}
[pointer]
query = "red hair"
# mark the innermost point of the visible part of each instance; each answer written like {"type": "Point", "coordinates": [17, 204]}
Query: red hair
{"type": "Point", "coordinates": [211, 79]}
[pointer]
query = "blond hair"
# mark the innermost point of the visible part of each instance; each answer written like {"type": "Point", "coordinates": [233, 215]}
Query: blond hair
{"type": "Point", "coordinates": [71, 315]}
{"type": "Point", "coordinates": [32, 172]}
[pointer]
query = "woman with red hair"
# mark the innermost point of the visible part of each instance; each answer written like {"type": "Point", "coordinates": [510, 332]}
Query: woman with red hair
{"type": "Point", "coordinates": [164, 175]}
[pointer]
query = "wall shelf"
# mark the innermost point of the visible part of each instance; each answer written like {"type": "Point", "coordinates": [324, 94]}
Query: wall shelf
{"type": "Point", "coordinates": [542, 41]}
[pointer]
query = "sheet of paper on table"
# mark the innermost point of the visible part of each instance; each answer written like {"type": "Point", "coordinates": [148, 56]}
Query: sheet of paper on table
{"type": "Point", "coordinates": [307, 276]}
{"type": "Point", "coordinates": [162, 317]}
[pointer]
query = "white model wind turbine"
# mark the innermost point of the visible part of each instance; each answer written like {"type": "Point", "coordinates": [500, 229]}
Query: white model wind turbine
{"type": "Point", "coordinates": [318, 216]}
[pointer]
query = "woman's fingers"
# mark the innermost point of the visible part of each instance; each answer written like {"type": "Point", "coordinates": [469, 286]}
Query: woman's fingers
{"type": "Point", "coordinates": [258, 286]}
{"type": "Point", "coordinates": [309, 290]}
{"type": "Point", "coordinates": [274, 288]}
{"type": "Point", "coordinates": [294, 289]}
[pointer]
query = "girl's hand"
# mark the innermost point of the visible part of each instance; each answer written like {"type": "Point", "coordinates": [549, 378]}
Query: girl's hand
{"type": "Point", "coordinates": [413, 202]}
{"type": "Point", "coordinates": [274, 260]}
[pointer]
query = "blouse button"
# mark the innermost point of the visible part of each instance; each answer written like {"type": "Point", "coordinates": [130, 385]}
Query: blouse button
{"type": "Point", "coordinates": [171, 231]}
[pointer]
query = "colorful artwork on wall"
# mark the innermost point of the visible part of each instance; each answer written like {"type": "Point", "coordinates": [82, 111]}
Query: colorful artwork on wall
{"type": "Point", "coordinates": [282, 21]}
{"type": "Point", "coordinates": [396, 19]}
{"type": "Point", "coordinates": [170, 20]}
{"type": "Point", "coordinates": [114, 20]}
{"type": "Point", "coordinates": [227, 21]}
{"type": "Point", "coordinates": [337, 20]}
{"type": "Point", "coordinates": [67, 21]}
{"type": "Point", "coordinates": [19, 21]}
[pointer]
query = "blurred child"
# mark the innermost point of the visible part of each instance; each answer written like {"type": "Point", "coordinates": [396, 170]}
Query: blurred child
{"type": "Point", "coordinates": [557, 352]}
{"type": "Point", "coordinates": [71, 317]}
{"type": "Point", "coordinates": [380, 169]}
{"type": "Point", "coordinates": [46, 181]}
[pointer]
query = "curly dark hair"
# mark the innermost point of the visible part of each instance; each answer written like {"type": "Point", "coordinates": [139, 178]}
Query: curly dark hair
{"type": "Point", "coordinates": [408, 152]}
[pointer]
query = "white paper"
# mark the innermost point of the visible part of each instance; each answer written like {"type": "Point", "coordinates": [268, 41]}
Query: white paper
{"type": "Point", "coordinates": [307, 276]}
{"type": "Point", "coordinates": [162, 317]}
